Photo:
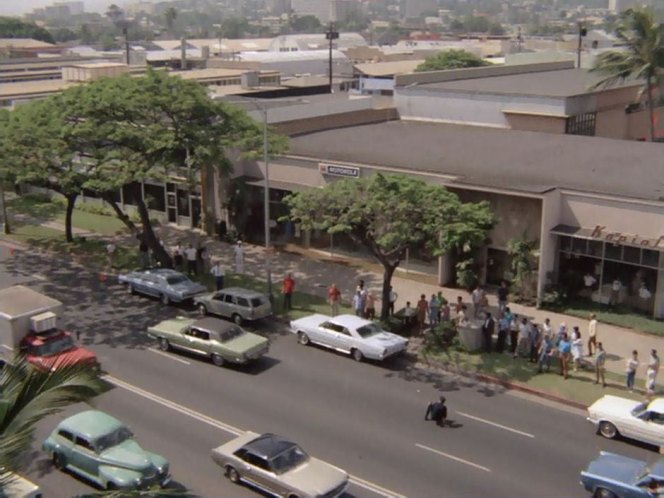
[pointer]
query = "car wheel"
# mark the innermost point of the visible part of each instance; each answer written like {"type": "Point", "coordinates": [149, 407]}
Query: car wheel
{"type": "Point", "coordinates": [357, 355]}
{"type": "Point", "coordinates": [59, 461]}
{"type": "Point", "coordinates": [291, 495]}
{"type": "Point", "coordinates": [111, 486]}
{"type": "Point", "coordinates": [164, 344]}
{"type": "Point", "coordinates": [237, 319]}
{"type": "Point", "coordinates": [202, 309]}
{"type": "Point", "coordinates": [608, 430]}
{"type": "Point", "coordinates": [232, 474]}
{"type": "Point", "coordinates": [603, 493]}
{"type": "Point", "coordinates": [302, 338]}
{"type": "Point", "coordinates": [131, 290]}
{"type": "Point", "coordinates": [165, 300]}
{"type": "Point", "coordinates": [217, 360]}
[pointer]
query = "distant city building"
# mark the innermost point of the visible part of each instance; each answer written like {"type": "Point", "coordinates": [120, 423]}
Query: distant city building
{"type": "Point", "coordinates": [75, 8]}
{"type": "Point", "coordinates": [622, 5]}
{"type": "Point", "coordinates": [325, 10]}
{"type": "Point", "coordinates": [278, 7]}
{"type": "Point", "coordinates": [411, 9]}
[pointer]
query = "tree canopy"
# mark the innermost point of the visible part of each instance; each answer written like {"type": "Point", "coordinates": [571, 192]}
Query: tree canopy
{"type": "Point", "coordinates": [389, 214]}
{"type": "Point", "coordinates": [451, 59]}
{"type": "Point", "coordinates": [12, 27]}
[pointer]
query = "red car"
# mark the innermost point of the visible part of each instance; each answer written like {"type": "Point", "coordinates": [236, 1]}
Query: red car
{"type": "Point", "coordinates": [54, 348]}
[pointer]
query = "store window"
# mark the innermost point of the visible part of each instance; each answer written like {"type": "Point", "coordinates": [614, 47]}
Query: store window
{"type": "Point", "coordinates": [154, 197]}
{"type": "Point", "coordinates": [613, 251]}
{"type": "Point", "coordinates": [581, 124]}
{"type": "Point", "coordinates": [183, 202]}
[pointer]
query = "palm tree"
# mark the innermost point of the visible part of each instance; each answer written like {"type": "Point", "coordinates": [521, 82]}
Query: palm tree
{"type": "Point", "coordinates": [27, 395]}
{"type": "Point", "coordinates": [643, 58]}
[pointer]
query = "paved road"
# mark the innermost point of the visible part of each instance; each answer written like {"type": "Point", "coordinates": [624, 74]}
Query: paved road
{"type": "Point", "coordinates": [363, 417]}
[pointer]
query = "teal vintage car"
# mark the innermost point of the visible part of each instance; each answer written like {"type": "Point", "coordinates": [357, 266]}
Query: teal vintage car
{"type": "Point", "coordinates": [213, 338]}
{"type": "Point", "coordinates": [102, 449]}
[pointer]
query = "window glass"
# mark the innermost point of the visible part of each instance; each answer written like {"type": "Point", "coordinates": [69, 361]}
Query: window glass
{"type": "Point", "coordinates": [564, 243]}
{"type": "Point", "coordinates": [243, 301]}
{"type": "Point", "coordinates": [613, 251]}
{"type": "Point", "coordinates": [632, 254]}
{"type": "Point", "coordinates": [579, 246]}
{"type": "Point", "coordinates": [115, 438]}
{"type": "Point", "coordinates": [257, 301]}
{"type": "Point", "coordinates": [203, 335]}
{"type": "Point", "coordinates": [154, 196]}
{"type": "Point", "coordinates": [84, 444]}
{"type": "Point", "coordinates": [256, 461]}
{"type": "Point", "coordinates": [228, 298]}
{"type": "Point", "coordinates": [595, 248]}
{"type": "Point", "coordinates": [66, 434]}
{"type": "Point", "coordinates": [650, 258]}
{"type": "Point", "coordinates": [219, 297]}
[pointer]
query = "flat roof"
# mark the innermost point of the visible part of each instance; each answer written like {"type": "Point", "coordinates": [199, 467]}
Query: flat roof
{"type": "Point", "coordinates": [560, 83]}
{"type": "Point", "coordinates": [17, 301]}
{"type": "Point", "coordinates": [525, 161]}
{"type": "Point", "coordinates": [378, 69]}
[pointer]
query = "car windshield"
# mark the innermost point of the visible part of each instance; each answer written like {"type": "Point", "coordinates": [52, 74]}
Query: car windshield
{"type": "Point", "coordinates": [369, 330]}
{"type": "Point", "coordinates": [288, 459]}
{"type": "Point", "coordinates": [257, 301]}
{"type": "Point", "coordinates": [176, 279]}
{"type": "Point", "coordinates": [53, 346]}
{"type": "Point", "coordinates": [639, 409]}
{"type": "Point", "coordinates": [114, 438]}
{"type": "Point", "coordinates": [231, 333]}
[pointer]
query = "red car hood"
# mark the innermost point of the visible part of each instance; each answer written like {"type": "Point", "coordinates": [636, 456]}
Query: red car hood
{"type": "Point", "coordinates": [69, 357]}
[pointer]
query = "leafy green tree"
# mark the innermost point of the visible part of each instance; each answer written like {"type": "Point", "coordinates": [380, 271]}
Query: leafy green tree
{"type": "Point", "coordinates": [496, 29]}
{"type": "Point", "coordinates": [27, 395]}
{"type": "Point", "coordinates": [115, 13]}
{"type": "Point", "coordinates": [389, 214]}
{"type": "Point", "coordinates": [451, 59]}
{"type": "Point", "coordinates": [521, 251]}
{"type": "Point", "coordinates": [64, 35]}
{"type": "Point", "coordinates": [642, 39]}
{"type": "Point", "coordinates": [305, 24]}
{"type": "Point", "coordinates": [476, 24]}
{"type": "Point", "coordinates": [5, 164]}
{"type": "Point", "coordinates": [12, 27]}
{"type": "Point", "coordinates": [234, 27]}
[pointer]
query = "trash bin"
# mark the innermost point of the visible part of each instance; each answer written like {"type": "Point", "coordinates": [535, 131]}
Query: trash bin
{"type": "Point", "coordinates": [470, 336]}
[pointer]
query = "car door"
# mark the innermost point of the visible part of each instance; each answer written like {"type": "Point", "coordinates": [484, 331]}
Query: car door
{"type": "Point", "coordinates": [649, 427]}
{"type": "Point", "coordinates": [149, 284]}
{"type": "Point", "coordinates": [325, 334]}
{"type": "Point", "coordinates": [193, 340]}
{"type": "Point", "coordinates": [256, 470]}
{"type": "Point", "coordinates": [65, 440]}
{"type": "Point", "coordinates": [227, 306]}
{"type": "Point", "coordinates": [84, 457]}
{"type": "Point", "coordinates": [243, 308]}
{"type": "Point", "coordinates": [216, 304]}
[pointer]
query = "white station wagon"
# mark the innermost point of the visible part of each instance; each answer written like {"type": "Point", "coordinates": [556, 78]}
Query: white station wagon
{"type": "Point", "coordinates": [349, 334]}
{"type": "Point", "coordinates": [613, 416]}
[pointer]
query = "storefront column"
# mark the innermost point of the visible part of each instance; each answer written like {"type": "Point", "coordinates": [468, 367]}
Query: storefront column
{"type": "Point", "coordinates": [445, 269]}
{"type": "Point", "coordinates": [658, 307]}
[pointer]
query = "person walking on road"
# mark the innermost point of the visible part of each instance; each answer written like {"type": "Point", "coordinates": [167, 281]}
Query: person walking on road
{"type": "Point", "coordinates": [600, 362]}
{"type": "Point", "coordinates": [287, 289]}
{"type": "Point", "coordinates": [334, 298]}
{"type": "Point", "coordinates": [592, 333]}
{"type": "Point", "coordinates": [437, 411]}
{"type": "Point", "coordinates": [218, 273]}
{"type": "Point", "coordinates": [192, 259]}
{"type": "Point", "coordinates": [487, 332]}
{"type": "Point", "coordinates": [239, 257]}
{"type": "Point", "coordinates": [651, 372]}
{"type": "Point", "coordinates": [630, 368]}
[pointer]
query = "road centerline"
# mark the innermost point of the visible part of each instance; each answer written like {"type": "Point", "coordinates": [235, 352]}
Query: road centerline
{"type": "Point", "coordinates": [375, 488]}
{"type": "Point", "coordinates": [174, 358]}
{"type": "Point", "coordinates": [500, 426]}
{"type": "Point", "coordinates": [452, 457]}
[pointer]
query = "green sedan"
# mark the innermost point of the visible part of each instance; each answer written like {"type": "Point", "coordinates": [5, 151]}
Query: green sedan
{"type": "Point", "coordinates": [216, 339]}
{"type": "Point", "coordinates": [102, 449]}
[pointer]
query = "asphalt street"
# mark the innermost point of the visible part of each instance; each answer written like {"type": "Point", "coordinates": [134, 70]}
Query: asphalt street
{"type": "Point", "coordinates": [366, 418]}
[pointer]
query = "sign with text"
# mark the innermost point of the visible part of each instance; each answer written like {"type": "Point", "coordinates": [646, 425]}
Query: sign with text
{"type": "Point", "coordinates": [622, 238]}
{"type": "Point", "coordinates": [339, 170]}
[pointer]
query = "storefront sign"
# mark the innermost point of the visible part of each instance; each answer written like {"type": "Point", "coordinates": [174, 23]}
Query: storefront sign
{"type": "Point", "coordinates": [338, 170]}
{"type": "Point", "coordinates": [623, 238]}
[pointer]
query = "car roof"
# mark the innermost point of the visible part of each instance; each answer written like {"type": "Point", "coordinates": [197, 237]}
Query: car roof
{"type": "Point", "coordinates": [91, 424]}
{"type": "Point", "coordinates": [268, 445]}
{"type": "Point", "coordinates": [212, 324]}
{"type": "Point", "coordinates": [239, 291]}
{"type": "Point", "coordinates": [350, 321]}
{"type": "Point", "coordinates": [657, 405]}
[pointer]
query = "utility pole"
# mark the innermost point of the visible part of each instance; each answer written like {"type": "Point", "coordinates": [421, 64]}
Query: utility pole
{"type": "Point", "coordinates": [582, 32]}
{"type": "Point", "coordinates": [519, 40]}
{"type": "Point", "coordinates": [126, 37]}
{"type": "Point", "coordinates": [331, 35]}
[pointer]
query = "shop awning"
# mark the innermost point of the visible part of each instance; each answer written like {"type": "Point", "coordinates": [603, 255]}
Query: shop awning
{"type": "Point", "coordinates": [603, 234]}
{"type": "Point", "coordinates": [572, 231]}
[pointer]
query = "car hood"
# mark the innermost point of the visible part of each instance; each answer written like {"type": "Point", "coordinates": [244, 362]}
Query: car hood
{"type": "Point", "coordinates": [246, 342]}
{"type": "Point", "coordinates": [613, 406]}
{"type": "Point", "coordinates": [72, 356]}
{"type": "Point", "coordinates": [128, 455]}
{"type": "Point", "coordinates": [315, 477]}
{"type": "Point", "coordinates": [616, 467]}
{"type": "Point", "coordinates": [385, 339]}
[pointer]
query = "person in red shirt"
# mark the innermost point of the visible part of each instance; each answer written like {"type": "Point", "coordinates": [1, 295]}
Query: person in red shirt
{"type": "Point", "coordinates": [287, 290]}
{"type": "Point", "coordinates": [334, 298]}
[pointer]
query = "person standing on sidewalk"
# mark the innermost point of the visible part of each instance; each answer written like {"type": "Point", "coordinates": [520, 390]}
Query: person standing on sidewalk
{"type": "Point", "coordinates": [434, 310]}
{"type": "Point", "coordinates": [514, 331]}
{"type": "Point", "coordinates": [651, 372]}
{"type": "Point", "coordinates": [631, 367]}
{"type": "Point", "coordinates": [218, 273]}
{"type": "Point", "coordinates": [191, 253]}
{"type": "Point", "coordinates": [487, 332]}
{"type": "Point", "coordinates": [370, 310]}
{"type": "Point", "coordinates": [110, 252]}
{"type": "Point", "coordinates": [476, 297]}
{"type": "Point", "coordinates": [503, 294]}
{"type": "Point", "coordinates": [239, 257]}
{"type": "Point", "coordinates": [334, 298]}
{"type": "Point", "coordinates": [600, 361]}
{"type": "Point", "coordinates": [503, 330]}
{"type": "Point", "coordinates": [535, 343]}
{"type": "Point", "coordinates": [287, 289]}
{"type": "Point", "coordinates": [393, 300]}
{"type": "Point", "coordinates": [564, 351]}
{"type": "Point", "coordinates": [143, 252]}
{"type": "Point", "coordinates": [577, 348]}
{"type": "Point", "coordinates": [422, 312]}
{"type": "Point", "coordinates": [592, 333]}
{"type": "Point", "coordinates": [178, 259]}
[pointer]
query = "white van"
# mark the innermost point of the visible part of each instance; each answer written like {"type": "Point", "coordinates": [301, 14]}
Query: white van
{"type": "Point", "coordinates": [20, 487]}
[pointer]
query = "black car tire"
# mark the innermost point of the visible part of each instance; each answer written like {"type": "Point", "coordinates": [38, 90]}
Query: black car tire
{"type": "Point", "coordinates": [111, 486]}
{"type": "Point", "coordinates": [608, 430]}
{"type": "Point", "coordinates": [202, 309]}
{"type": "Point", "coordinates": [165, 300]}
{"type": "Point", "coordinates": [218, 360]}
{"type": "Point", "coordinates": [291, 495]}
{"type": "Point", "coordinates": [59, 461]}
{"type": "Point", "coordinates": [164, 345]}
{"type": "Point", "coordinates": [302, 338]}
{"type": "Point", "coordinates": [237, 319]}
{"type": "Point", "coordinates": [357, 354]}
{"type": "Point", "coordinates": [604, 493]}
{"type": "Point", "coordinates": [232, 474]}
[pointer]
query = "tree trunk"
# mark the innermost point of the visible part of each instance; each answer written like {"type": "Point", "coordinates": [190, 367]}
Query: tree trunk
{"type": "Point", "coordinates": [71, 202]}
{"type": "Point", "coordinates": [3, 201]}
{"type": "Point", "coordinates": [388, 272]}
{"type": "Point", "coordinates": [107, 196]}
{"type": "Point", "coordinates": [148, 235]}
{"type": "Point", "coordinates": [651, 110]}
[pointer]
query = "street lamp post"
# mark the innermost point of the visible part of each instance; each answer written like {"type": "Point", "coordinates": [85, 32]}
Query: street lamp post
{"type": "Point", "coordinates": [266, 190]}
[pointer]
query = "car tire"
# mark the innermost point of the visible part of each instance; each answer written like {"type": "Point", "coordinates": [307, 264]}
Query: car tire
{"type": "Point", "coordinates": [302, 338]}
{"type": "Point", "coordinates": [357, 354]}
{"type": "Point", "coordinates": [202, 309]}
{"type": "Point", "coordinates": [237, 319]}
{"type": "Point", "coordinates": [164, 345]}
{"type": "Point", "coordinates": [291, 495]}
{"type": "Point", "coordinates": [165, 300]}
{"type": "Point", "coordinates": [608, 430]}
{"type": "Point", "coordinates": [111, 486]}
{"type": "Point", "coordinates": [232, 475]}
{"type": "Point", "coordinates": [218, 360]}
{"type": "Point", "coordinates": [59, 461]}
{"type": "Point", "coordinates": [604, 493]}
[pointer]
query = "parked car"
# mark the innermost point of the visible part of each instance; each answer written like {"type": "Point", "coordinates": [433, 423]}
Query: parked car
{"type": "Point", "coordinates": [616, 476]}
{"type": "Point", "coordinates": [279, 467]}
{"type": "Point", "coordinates": [613, 416]}
{"type": "Point", "coordinates": [216, 339]}
{"type": "Point", "coordinates": [100, 448]}
{"type": "Point", "coordinates": [166, 284]}
{"type": "Point", "coordinates": [235, 303]}
{"type": "Point", "coordinates": [349, 334]}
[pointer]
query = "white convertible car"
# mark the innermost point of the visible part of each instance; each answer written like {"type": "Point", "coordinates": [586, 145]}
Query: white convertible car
{"type": "Point", "coordinates": [615, 416]}
{"type": "Point", "coordinates": [349, 334]}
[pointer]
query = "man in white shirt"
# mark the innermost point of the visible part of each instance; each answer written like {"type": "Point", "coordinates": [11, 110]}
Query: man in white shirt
{"type": "Point", "coordinates": [615, 292]}
{"type": "Point", "coordinates": [191, 253]}
{"type": "Point", "coordinates": [393, 300]}
{"type": "Point", "coordinates": [592, 333]}
{"type": "Point", "coordinates": [218, 273]}
{"type": "Point", "coordinates": [239, 257]}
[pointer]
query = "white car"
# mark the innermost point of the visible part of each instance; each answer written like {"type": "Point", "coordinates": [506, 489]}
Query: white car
{"type": "Point", "coordinates": [615, 416]}
{"type": "Point", "coordinates": [349, 334]}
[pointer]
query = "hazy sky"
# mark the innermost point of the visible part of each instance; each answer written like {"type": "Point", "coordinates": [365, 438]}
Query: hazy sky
{"type": "Point", "coordinates": [19, 7]}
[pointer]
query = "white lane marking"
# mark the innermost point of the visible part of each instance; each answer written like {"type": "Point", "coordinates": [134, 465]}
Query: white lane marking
{"type": "Point", "coordinates": [375, 488]}
{"type": "Point", "coordinates": [504, 427]}
{"type": "Point", "coordinates": [38, 276]}
{"type": "Point", "coordinates": [7, 347]}
{"type": "Point", "coordinates": [174, 406]}
{"type": "Point", "coordinates": [452, 457]}
{"type": "Point", "coordinates": [153, 350]}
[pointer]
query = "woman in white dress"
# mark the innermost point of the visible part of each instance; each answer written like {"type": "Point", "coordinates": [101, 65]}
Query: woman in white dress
{"type": "Point", "coordinates": [577, 348]}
